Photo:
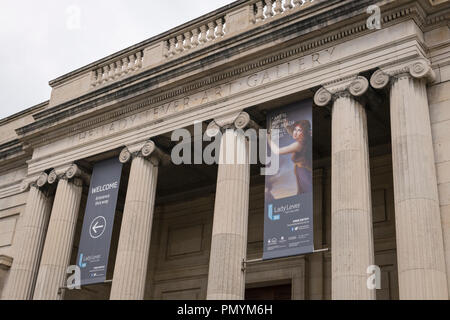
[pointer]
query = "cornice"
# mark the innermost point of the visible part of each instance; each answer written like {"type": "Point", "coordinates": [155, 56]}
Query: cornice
{"type": "Point", "coordinates": [26, 112]}
{"type": "Point", "coordinates": [48, 116]}
{"type": "Point", "coordinates": [329, 39]}
{"type": "Point", "coordinates": [5, 147]}
{"type": "Point", "coordinates": [259, 35]}
{"type": "Point", "coordinates": [11, 153]}
{"type": "Point", "coordinates": [439, 14]}
{"type": "Point", "coordinates": [438, 18]}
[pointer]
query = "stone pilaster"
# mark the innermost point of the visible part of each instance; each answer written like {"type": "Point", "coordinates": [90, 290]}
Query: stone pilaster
{"type": "Point", "coordinates": [130, 270]}
{"type": "Point", "coordinates": [226, 279]}
{"type": "Point", "coordinates": [30, 241]}
{"type": "Point", "coordinates": [351, 206]}
{"type": "Point", "coordinates": [60, 233]}
{"type": "Point", "coordinates": [420, 247]}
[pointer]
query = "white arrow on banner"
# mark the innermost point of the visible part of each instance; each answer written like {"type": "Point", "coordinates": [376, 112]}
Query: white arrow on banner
{"type": "Point", "coordinates": [96, 224]}
{"type": "Point", "coordinates": [96, 227]}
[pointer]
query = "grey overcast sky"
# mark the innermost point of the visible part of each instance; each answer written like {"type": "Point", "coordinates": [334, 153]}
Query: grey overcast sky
{"type": "Point", "coordinates": [42, 40]}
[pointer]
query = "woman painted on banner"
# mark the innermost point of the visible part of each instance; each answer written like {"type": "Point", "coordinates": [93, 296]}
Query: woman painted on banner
{"type": "Point", "coordinates": [301, 150]}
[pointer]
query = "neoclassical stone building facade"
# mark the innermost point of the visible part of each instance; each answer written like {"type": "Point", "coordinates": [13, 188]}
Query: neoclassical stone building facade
{"type": "Point", "coordinates": [381, 158]}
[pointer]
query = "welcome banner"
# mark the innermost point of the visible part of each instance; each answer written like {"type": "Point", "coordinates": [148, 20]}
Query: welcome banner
{"type": "Point", "coordinates": [288, 222]}
{"type": "Point", "coordinates": [98, 221]}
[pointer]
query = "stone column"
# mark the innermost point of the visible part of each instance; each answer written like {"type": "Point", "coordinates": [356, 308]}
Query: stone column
{"type": "Point", "coordinates": [351, 206]}
{"type": "Point", "coordinates": [420, 250]}
{"type": "Point", "coordinates": [30, 241]}
{"type": "Point", "coordinates": [130, 270]}
{"type": "Point", "coordinates": [61, 229]}
{"type": "Point", "coordinates": [226, 279]}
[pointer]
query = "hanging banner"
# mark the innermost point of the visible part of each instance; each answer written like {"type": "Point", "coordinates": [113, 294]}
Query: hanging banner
{"type": "Point", "coordinates": [98, 221]}
{"type": "Point", "coordinates": [288, 222]}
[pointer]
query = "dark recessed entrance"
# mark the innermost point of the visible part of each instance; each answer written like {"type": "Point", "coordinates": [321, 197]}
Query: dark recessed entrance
{"type": "Point", "coordinates": [281, 292]}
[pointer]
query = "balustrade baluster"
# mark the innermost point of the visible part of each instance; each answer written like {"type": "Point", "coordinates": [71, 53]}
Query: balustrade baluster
{"type": "Point", "coordinates": [96, 78]}
{"type": "Point", "coordinates": [278, 6]}
{"type": "Point", "coordinates": [187, 40]}
{"type": "Point", "coordinates": [204, 31]}
{"type": "Point", "coordinates": [166, 49]}
{"type": "Point", "coordinates": [112, 69]}
{"type": "Point", "coordinates": [172, 50]}
{"type": "Point", "coordinates": [179, 48]}
{"type": "Point", "coordinates": [132, 65]}
{"type": "Point", "coordinates": [106, 74]}
{"type": "Point", "coordinates": [125, 63]}
{"type": "Point", "coordinates": [220, 32]}
{"type": "Point", "coordinates": [195, 36]}
{"type": "Point", "coordinates": [139, 60]}
{"type": "Point", "coordinates": [288, 5]}
{"type": "Point", "coordinates": [269, 9]}
{"type": "Point", "coordinates": [259, 11]}
{"type": "Point", "coordinates": [211, 32]}
{"type": "Point", "coordinates": [118, 69]}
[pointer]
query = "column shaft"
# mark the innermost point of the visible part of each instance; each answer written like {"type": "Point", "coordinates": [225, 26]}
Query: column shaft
{"type": "Point", "coordinates": [59, 240]}
{"type": "Point", "coordinates": [316, 261]}
{"type": "Point", "coordinates": [421, 264]}
{"type": "Point", "coordinates": [28, 248]}
{"type": "Point", "coordinates": [226, 280]}
{"type": "Point", "coordinates": [130, 270]}
{"type": "Point", "coordinates": [352, 234]}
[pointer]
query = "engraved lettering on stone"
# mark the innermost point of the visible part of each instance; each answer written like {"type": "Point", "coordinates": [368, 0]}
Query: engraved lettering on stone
{"type": "Point", "coordinates": [197, 99]}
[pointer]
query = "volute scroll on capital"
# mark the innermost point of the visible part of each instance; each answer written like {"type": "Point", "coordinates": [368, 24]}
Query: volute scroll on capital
{"type": "Point", "coordinates": [238, 120]}
{"type": "Point", "coordinates": [419, 69]}
{"type": "Point", "coordinates": [42, 180]}
{"type": "Point", "coordinates": [39, 182]}
{"type": "Point", "coordinates": [70, 172]}
{"type": "Point", "coordinates": [355, 86]}
{"type": "Point", "coordinates": [147, 150]}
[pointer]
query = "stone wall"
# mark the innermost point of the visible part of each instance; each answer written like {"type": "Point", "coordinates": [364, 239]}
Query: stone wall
{"type": "Point", "coordinates": [12, 205]}
{"type": "Point", "coordinates": [439, 100]}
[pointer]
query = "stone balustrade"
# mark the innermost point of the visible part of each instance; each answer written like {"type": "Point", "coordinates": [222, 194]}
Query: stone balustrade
{"type": "Point", "coordinates": [217, 28]}
{"type": "Point", "coordinates": [194, 37]}
{"type": "Point", "coordinates": [266, 9]}
{"type": "Point", "coordinates": [202, 32]}
{"type": "Point", "coordinates": [117, 69]}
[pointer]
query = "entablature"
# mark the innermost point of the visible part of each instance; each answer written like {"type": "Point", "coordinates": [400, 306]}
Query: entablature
{"type": "Point", "coordinates": [314, 28]}
{"type": "Point", "coordinates": [312, 45]}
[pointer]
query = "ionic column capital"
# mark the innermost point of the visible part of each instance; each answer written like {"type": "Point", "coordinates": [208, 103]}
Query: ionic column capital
{"type": "Point", "coordinates": [354, 86]}
{"type": "Point", "coordinates": [145, 149]}
{"type": "Point", "coordinates": [237, 120]}
{"type": "Point", "coordinates": [418, 69]}
{"type": "Point", "coordinates": [25, 186]}
{"type": "Point", "coordinates": [39, 182]}
{"type": "Point", "coordinates": [68, 172]}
